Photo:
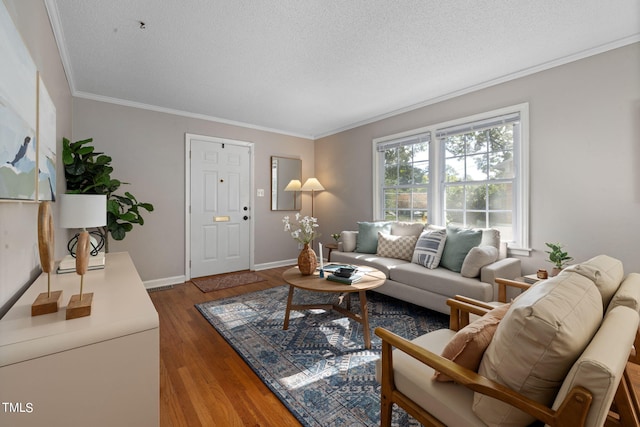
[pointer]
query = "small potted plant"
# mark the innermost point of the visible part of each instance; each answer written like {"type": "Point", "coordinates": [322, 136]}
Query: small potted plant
{"type": "Point", "coordinates": [558, 257]}
{"type": "Point", "coordinates": [336, 237]}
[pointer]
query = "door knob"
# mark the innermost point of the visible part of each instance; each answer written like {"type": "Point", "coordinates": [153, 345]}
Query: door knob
{"type": "Point", "coordinates": [245, 217]}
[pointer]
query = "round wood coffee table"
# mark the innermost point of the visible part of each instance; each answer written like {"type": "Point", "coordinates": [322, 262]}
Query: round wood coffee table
{"type": "Point", "coordinates": [372, 279]}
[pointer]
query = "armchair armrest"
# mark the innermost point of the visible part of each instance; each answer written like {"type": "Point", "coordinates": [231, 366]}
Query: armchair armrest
{"type": "Point", "coordinates": [461, 307]}
{"type": "Point", "coordinates": [502, 287]}
{"type": "Point", "coordinates": [507, 268]}
{"type": "Point", "coordinates": [572, 412]}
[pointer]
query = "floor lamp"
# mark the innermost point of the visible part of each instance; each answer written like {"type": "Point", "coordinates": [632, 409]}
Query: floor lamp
{"type": "Point", "coordinates": [313, 185]}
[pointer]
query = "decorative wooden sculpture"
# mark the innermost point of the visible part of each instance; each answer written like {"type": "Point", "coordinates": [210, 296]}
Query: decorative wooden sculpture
{"type": "Point", "coordinates": [80, 304]}
{"type": "Point", "coordinates": [46, 302]}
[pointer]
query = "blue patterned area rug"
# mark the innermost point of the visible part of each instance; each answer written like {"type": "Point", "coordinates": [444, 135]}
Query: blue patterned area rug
{"type": "Point", "coordinates": [319, 367]}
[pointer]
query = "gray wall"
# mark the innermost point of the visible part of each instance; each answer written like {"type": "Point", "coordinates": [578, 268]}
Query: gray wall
{"type": "Point", "coordinates": [19, 262]}
{"type": "Point", "coordinates": [584, 156]}
{"type": "Point", "coordinates": [148, 148]}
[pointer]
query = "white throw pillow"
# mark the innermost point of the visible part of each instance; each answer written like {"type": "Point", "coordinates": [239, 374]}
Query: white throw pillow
{"type": "Point", "coordinates": [429, 248]}
{"type": "Point", "coordinates": [402, 228]}
{"type": "Point", "coordinates": [477, 258]}
{"type": "Point", "coordinates": [349, 239]}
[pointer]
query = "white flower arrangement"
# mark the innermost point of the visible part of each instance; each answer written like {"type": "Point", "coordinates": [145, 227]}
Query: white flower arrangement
{"type": "Point", "coordinates": [303, 229]}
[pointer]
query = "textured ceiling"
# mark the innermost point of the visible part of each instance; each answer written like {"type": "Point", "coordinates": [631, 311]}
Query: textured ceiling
{"type": "Point", "coordinates": [315, 67]}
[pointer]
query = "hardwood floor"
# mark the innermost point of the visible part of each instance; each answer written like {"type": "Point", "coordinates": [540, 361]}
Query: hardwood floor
{"type": "Point", "coordinates": [203, 381]}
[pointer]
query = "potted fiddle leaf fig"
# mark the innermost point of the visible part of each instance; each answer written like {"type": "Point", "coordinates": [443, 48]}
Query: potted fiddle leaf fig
{"type": "Point", "coordinates": [88, 171]}
{"type": "Point", "coordinates": [558, 257]}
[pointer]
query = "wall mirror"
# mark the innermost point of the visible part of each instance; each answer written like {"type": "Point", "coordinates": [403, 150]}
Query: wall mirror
{"type": "Point", "coordinates": [283, 171]}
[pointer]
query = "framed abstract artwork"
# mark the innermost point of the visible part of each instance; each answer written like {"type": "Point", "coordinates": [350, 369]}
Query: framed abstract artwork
{"type": "Point", "coordinates": [18, 115]}
{"type": "Point", "coordinates": [46, 144]}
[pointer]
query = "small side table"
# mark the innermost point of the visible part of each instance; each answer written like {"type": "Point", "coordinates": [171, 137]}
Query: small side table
{"type": "Point", "coordinates": [330, 247]}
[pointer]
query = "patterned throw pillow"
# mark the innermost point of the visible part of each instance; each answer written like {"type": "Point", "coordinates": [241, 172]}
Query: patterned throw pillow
{"type": "Point", "coordinates": [429, 248]}
{"type": "Point", "coordinates": [400, 247]}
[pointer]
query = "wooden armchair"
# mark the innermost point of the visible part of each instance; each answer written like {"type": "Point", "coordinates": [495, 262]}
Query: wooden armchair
{"type": "Point", "coordinates": [405, 375]}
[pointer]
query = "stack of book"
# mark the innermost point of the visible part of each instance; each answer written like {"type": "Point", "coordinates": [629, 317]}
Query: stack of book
{"type": "Point", "coordinates": [346, 280]}
{"type": "Point", "coordinates": [68, 263]}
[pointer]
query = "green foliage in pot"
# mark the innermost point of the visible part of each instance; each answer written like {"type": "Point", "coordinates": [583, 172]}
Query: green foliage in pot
{"type": "Point", "coordinates": [87, 171]}
{"type": "Point", "coordinates": [557, 256]}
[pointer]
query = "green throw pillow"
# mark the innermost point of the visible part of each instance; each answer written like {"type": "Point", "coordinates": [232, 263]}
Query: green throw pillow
{"type": "Point", "coordinates": [458, 244]}
{"type": "Point", "coordinates": [367, 241]}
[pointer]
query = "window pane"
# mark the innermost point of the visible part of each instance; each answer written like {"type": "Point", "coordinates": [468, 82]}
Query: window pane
{"type": "Point", "coordinates": [390, 199]}
{"type": "Point", "coordinates": [420, 198]}
{"type": "Point", "coordinates": [404, 215]}
{"type": "Point", "coordinates": [455, 218]}
{"type": "Point", "coordinates": [501, 165]}
{"type": "Point", "coordinates": [454, 196]}
{"type": "Point", "coordinates": [501, 196]}
{"type": "Point", "coordinates": [454, 146]}
{"type": "Point", "coordinates": [477, 168]}
{"type": "Point", "coordinates": [476, 219]}
{"type": "Point", "coordinates": [404, 198]}
{"type": "Point", "coordinates": [502, 221]}
{"type": "Point", "coordinates": [454, 169]}
{"type": "Point", "coordinates": [390, 175]}
{"type": "Point", "coordinates": [421, 173]}
{"type": "Point", "coordinates": [501, 138]}
{"type": "Point", "coordinates": [390, 215]}
{"type": "Point", "coordinates": [391, 156]}
{"type": "Point", "coordinates": [420, 216]}
{"type": "Point", "coordinates": [476, 197]}
{"type": "Point", "coordinates": [405, 174]}
{"type": "Point", "coordinates": [476, 142]}
{"type": "Point", "coordinates": [421, 152]}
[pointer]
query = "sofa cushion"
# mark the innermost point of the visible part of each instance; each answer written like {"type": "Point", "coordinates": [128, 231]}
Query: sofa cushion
{"type": "Point", "coordinates": [402, 228]}
{"type": "Point", "coordinates": [400, 247]}
{"type": "Point", "coordinates": [429, 247]}
{"type": "Point", "coordinates": [384, 264]}
{"type": "Point", "coordinates": [490, 237]}
{"type": "Point", "coordinates": [469, 344]}
{"type": "Point", "coordinates": [477, 258]}
{"type": "Point", "coordinates": [606, 272]}
{"type": "Point", "coordinates": [537, 342]}
{"type": "Point", "coordinates": [459, 243]}
{"type": "Point", "coordinates": [349, 239]}
{"type": "Point", "coordinates": [367, 241]}
{"type": "Point", "coordinates": [440, 281]}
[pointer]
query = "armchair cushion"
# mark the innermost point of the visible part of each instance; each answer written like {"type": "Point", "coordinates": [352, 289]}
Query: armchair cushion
{"type": "Point", "coordinates": [349, 240]}
{"type": "Point", "coordinates": [399, 247]}
{"type": "Point", "coordinates": [469, 344]}
{"type": "Point", "coordinates": [606, 272]}
{"type": "Point", "coordinates": [536, 344]}
{"type": "Point", "coordinates": [628, 294]}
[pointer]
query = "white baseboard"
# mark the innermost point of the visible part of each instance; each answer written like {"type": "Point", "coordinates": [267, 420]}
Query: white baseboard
{"type": "Point", "coordinates": [178, 280]}
{"type": "Point", "coordinates": [268, 265]}
{"type": "Point", "coordinates": [167, 281]}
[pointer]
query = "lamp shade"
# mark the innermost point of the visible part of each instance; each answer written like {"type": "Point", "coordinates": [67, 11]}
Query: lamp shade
{"type": "Point", "coordinates": [312, 184]}
{"type": "Point", "coordinates": [83, 210]}
{"type": "Point", "coordinates": [293, 185]}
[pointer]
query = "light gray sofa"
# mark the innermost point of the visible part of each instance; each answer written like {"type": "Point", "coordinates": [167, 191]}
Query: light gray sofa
{"type": "Point", "coordinates": [430, 288]}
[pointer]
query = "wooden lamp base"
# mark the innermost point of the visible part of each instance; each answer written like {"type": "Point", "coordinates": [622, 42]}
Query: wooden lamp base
{"type": "Point", "coordinates": [46, 303]}
{"type": "Point", "coordinates": [79, 306]}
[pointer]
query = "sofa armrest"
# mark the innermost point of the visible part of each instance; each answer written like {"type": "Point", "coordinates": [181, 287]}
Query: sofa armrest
{"type": "Point", "coordinates": [507, 268]}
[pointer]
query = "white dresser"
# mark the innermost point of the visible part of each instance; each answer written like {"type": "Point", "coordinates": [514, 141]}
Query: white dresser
{"type": "Point", "coordinates": [100, 370]}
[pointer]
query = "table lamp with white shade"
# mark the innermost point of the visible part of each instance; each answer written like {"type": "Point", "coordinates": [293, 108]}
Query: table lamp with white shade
{"type": "Point", "coordinates": [82, 211]}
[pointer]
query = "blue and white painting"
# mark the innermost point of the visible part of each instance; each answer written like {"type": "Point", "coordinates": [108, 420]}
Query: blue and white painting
{"type": "Point", "coordinates": [18, 112]}
{"type": "Point", "coordinates": [46, 144]}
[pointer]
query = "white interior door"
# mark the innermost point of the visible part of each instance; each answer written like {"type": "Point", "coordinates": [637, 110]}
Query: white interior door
{"type": "Point", "coordinates": [220, 213]}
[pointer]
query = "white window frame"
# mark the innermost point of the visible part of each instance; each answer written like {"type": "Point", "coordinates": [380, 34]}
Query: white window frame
{"type": "Point", "coordinates": [520, 246]}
